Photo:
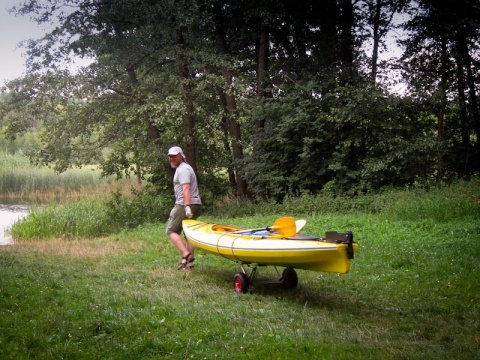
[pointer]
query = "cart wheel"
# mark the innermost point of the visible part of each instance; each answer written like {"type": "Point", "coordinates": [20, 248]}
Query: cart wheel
{"type": "Point", "coordinates": [289, 278]}
{"type": "Point", "coordinates": [240, 283]}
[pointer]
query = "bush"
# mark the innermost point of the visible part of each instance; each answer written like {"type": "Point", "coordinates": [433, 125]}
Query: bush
{"type": "Point", "coordinates": [90, 217]}
{"type": "Point", "coordinates": [440, 203]}
{"type": "Point", "coordinates": [145, 206]}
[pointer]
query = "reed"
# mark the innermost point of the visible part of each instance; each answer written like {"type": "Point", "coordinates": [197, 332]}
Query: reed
{"type": "Point", "coordinates": [20, 180]}
{"type": "Point", "coordinates": [84, 218]}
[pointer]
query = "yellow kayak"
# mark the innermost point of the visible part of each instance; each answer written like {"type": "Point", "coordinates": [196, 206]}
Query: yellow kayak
{"type": "Point", "coordinates": [277, 245]}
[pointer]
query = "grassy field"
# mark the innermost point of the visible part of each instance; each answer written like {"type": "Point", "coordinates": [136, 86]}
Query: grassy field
{"type": "Point", "coordinates": [412, 292]}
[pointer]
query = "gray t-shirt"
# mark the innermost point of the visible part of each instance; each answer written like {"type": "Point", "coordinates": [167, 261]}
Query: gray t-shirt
{"type": "Point", "coordinates": [184, 174]}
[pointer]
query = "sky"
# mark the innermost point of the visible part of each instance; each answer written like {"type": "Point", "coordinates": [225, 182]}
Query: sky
{"type": "Point", "coordinates": [14, 29]}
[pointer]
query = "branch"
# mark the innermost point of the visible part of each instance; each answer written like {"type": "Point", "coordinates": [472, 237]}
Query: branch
{"type": "Point", "coordinates": [121, 92]}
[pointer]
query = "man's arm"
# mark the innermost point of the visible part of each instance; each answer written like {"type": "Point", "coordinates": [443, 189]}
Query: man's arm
{"type": "Point", "coordinates": [187, 194]}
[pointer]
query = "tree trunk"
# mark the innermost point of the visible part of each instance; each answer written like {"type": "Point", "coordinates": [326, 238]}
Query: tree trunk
{"type": "Point", "coordinates": [346, 44]}
{"type": "Point", "coordinates": [262, 78]}
{"type": "Point", "coordinates": [231, 107]}
{"type": "Point", "coordinates": [138, 172]}
{"type": "Point", "coordinates": [462, 104]}
{"type": "Point", "coordinates": [376, 40]}
{"type": "Point", "coordinates": [327, 54]}
{"type": "Point", "coordinates": [188, 115]}
{"type": "Point", "coordinates": [466, 64]}
{"type": "Point", "coordinates": [443, 104]}
{"type": "Point", "coordinates": [262, 61]}
{"type": "Point", "coordinates": [226, 144]}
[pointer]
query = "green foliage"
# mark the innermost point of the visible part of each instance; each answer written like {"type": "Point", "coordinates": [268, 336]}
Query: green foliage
{"type": "Point", "coordinates": [291, 153]}
{"type": "Point", "coordinates": [458, 200]}
{"type": "Point", "coordinates": [381, 144]}
{"type": "Point", "coordinates": [23, 144]}
{"type": "Point", "coordinates": [360, 141]}
{"type": "Point", "coordinates": [320, 124]}
{"type": "Point", "coordinates": [441, 203]}
{"type": "Point", "coordinates": [143, 207]}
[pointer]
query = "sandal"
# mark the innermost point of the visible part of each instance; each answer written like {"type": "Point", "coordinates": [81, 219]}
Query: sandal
{"type": "Point", "coordinates": [187, 259]}
{"type": "Point", "coordinates": [189, 264]}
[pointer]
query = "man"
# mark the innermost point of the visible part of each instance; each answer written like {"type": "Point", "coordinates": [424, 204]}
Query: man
{"type": "Point", "coordinates": [187, 204]}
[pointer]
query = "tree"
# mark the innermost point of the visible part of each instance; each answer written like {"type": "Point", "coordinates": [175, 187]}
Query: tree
{"type": "Point", "coordinates": [440, 30]}
{"type": "Point", "coordinates": [467, 31]}
{"type": "Point", "coordinates": [378, 17]}
{"type": "Point", "coordinates": [230, 104]}
{"type": "Point", "coordinates": [117, 36]}
{"type": "Point", "coordinates": [274, 94]}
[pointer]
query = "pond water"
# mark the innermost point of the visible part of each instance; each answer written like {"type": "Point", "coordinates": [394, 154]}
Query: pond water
{"type": "Point", "coordinates": [10, 214]}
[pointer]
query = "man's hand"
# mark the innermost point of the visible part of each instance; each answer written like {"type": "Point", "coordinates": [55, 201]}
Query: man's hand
{"type": "Point", "coordinates": [188, 212]}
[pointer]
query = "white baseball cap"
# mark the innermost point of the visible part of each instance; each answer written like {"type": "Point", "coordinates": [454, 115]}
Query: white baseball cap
{"type": "Point", "coordinates": [175, 151]}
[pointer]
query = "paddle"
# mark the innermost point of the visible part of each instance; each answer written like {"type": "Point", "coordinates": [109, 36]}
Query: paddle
{"type": "Point", "coordinates": [284, 226]}
{"type": "Point", "coordinates": [299, 225]}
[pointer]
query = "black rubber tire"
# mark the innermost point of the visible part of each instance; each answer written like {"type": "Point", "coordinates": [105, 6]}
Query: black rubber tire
{"type": "Point", "coordinates": [289, 278]}
{"type": "Point", "coordinates": [240, 283]}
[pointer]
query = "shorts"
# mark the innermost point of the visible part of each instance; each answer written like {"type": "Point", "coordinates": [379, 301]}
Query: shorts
{"type": "Point", "coordinates": [177, 215]}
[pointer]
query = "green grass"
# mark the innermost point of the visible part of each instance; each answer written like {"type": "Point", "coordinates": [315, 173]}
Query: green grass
{"type": "Point", "coordinates": [412, 291]}
{"type": "Point", "coordinates": [78, 287]}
